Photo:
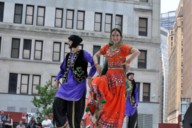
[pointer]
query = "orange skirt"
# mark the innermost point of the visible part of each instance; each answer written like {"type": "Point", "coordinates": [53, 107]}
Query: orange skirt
{"type": "Point", "coordinates": [108, 93]}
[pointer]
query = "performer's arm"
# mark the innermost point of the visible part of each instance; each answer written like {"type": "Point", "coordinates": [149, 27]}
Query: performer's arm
{"type": "Point", "coordinates": [62, 70]}
{"type": "Point", "coordinates": [61, 73]}
{"type": "Point", "coordinates": [92, 71]}
{"type": "Point", "coordinates": [134, 53]}
{"type": "Point", "coordinates": [89, 59]}
{"type": "Point", "coordinates": [95, 59]}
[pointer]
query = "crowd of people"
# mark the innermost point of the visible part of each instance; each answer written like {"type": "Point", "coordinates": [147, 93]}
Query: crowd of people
{"type": "Point", "coordinates": [7, 122]}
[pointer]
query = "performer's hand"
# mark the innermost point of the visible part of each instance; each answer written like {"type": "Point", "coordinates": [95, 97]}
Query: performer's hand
{"type": "Point", "coordinates": [89, 81]}
{"type": "Point", "coordinates": [135, 105]}
{"type": "Point", "coordinates": [57, 83]}
{"type": "Point", "coordinates": [126, 66]}
{"type": "Point", "coordinates": [99, 69]}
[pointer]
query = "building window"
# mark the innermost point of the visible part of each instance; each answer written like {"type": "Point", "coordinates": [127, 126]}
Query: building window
{"type": "Point", "coordinates": [66, 49]}
{"type": "Point", "coordinates": [142, 59]}
{"type": "Point", "coordinates": [15, 48]}
{"type": "Point", "coordinates": [56, 51]}
{"type": "Point", "coordinates": [98, 22]}
{"type": "Point", "coordinates": [38, 50]}
{"type": "Point", "coordinates": [24, 83]}
{"type": "Point", "coordinates": [29, 15]}
{"type": "Point", "coordinates": [1, 11]}
{"type": "Point", "coordinates": [143, 26]}
{"type": "Point", "coordinates": [58, 17]}
{"type": "Point", "coordinates": [11, 109]}
{"type": "Point", "coordinates": [23, 109]}
{"type": "Point", "coordinates": [108, 22]}
{"type": "Point", "coordinates": [144, 0]}
{"type": "Point", "coordinates": [145, 120]}
{"type": "Point", "coordinates": [119, 22]}
{"type": "Point", "coordinates": [13, 83]}
{"type": "Point", "coordinates": [18, 13]}
{"type": "Point", "coordinates": [26, 49]}
{"type": "Point", "coordinates": [80, 20]}
{"type": "Point", "coordinates": [69, 19]}
{"type": "Point", "coordinates": [40, 16]}
{"type": "Point", "coordinates": [96, 49]}
{"type": "Point", "coordinates": [0, 45]}
{"type": "Point", "coordinates": [138, 85]}
{"type": "Point", "coordinates": [36, 82]}
{"type": "Point", "coordinates": [146, 92]}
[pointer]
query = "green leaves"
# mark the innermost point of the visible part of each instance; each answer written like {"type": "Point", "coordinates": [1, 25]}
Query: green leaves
{"type": "Point", "coordinates": [45, 99]}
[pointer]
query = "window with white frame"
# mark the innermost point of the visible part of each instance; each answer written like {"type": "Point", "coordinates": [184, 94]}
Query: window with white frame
{"type": "Point", "coordinates": [38, 50]}
{"type": "Point", "coordinates": [0, 45]}
{"type": "Point", "coordinates": [119, 22]}
{"type": "Point", "coordinates": [146, 92]}
{"type": "Point", "coordinates": [108, 22]}
{"type": "Point", "coordinates": [98, 22]}
{"type": "Point", "coordinates": [1, 11]}
{"type": "Point", "coordinates": [29, 15]}
{"type": "Point", "coordinates": [144, 0]}
{"type": "Point", "coordinates": [40, 15]}
{"type": "Point", "coordinates": [24, 84]}
{"type": "Point", "coordinates": [66, 49]}
{"type": "Point", "coordinates": [142, 59]}
{"type": "Point", "coordinates": [18, 13]}
{"type": "Point", "coordinates": [145, 120]}
{"type": "Point", "coordinates": [138, 85]}
{"type": "Point", "coordinates": [58, 17]}
{"type": "Point", "coordinates": [36, 82]}
{"type": "Point", "coordinates": [143, 26]}
{"type": "Point", "coordinates": [80, 20]}
{"type": "Point", "coordinates": [96, 49]}
{"type": "Point", "coordinates": [56, 51]}
{"type": "Point", "coordinates": [69, 19]}
{"type": "Point", "coordinates": [12, 83]}
{"type": "Point", "coordinates": [15, 48]}
{"type": "Point", "coordinates": [27, 49]}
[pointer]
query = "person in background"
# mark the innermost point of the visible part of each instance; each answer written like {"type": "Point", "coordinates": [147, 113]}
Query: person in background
{"type": "Point", "coordinates": [69, 100]}
{"type": "Point", "coordinates": [31, 123]}
{"type": "Point", "coordinates": [46, 123]}
{"type": "Point", "coordinates": [2, 119]}
{"type": "Point", "coordinates": [20, 125]}
{"type": "Point", "coordinates": [132, 102]}
{"type": "Point", "coordinates": [9, 121]}
{"type": "Point", "coordinates": [38, 123]}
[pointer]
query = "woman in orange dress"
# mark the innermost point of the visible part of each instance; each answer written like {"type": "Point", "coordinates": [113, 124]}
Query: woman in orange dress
{"type": "Point", "coordinates": [108, 91]}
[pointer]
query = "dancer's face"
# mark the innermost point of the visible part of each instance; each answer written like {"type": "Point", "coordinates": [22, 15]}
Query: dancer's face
{"type": "Point", "coordinates": [131, 77]}
{"type": "Point", "coordinates": [116, 37]}
{"type": "Point", "coordinates": [69, 43]}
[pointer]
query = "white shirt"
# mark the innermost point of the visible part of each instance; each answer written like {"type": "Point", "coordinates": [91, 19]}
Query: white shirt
{"type": "Point", "coordinates": [46, 122]}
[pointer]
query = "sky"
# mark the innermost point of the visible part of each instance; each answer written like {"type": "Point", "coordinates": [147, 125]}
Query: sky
{"type": "Point", "coordinates": [169, 5]}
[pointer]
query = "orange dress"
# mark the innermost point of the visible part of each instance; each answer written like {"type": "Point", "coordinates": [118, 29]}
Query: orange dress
{"type": "Point", "coordinates": [110, 89]}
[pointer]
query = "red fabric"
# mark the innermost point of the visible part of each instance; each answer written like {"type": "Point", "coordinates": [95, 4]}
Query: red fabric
{"type": "Point", "coordinates": [166, 125]}
{"type": "Point", "coordinates": [111, 88]}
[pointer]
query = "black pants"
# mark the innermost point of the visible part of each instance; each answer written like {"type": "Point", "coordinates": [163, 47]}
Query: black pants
{"type": "Point", "coordinates": [71, 111]}
{"type": "Point", "coordinates": [133, 121]}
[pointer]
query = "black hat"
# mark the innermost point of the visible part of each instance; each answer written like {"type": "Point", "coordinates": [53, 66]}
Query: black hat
{"type": "Point", "coordinates": [130, 73]}
{"type": "Point", "coordinates": [76, 40]}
